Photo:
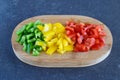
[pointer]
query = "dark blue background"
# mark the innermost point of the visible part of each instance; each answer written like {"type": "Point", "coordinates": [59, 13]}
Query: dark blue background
{"type": "Point", "coordinates": [13, 12]}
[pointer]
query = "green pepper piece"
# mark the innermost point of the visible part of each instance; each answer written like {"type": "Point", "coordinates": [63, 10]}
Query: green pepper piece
{"type": "Point", "coordinates": [31, 30]}
{"type": "Point", "coordinates": [31, 40]}
{"type": "Point", "coordinates": [42, 37]}
{"type": "Point", "coordinates": [37, 23]}
{"type": "Point", "coordinates": [38, 35]}
{"type": "Point", "coordinates": [35, 52]}
{"type": "Point", "coordinates": [36, 31]}
{"type": "Point", "coordinates": [43, 24]}
{"type": "Point", "coordinates": [30, 25]}
{"type": "Point", "coordinates": [25, 32]}
{"type": "Point", "coordinates": [39, 49]}
{"type": "Point", "coordinates": [29, 35]}
{"type": "Point", "coordinates": [18, 38]}
{"type": "Point", "coordinates": [22, 39]}
{"type": "Point", "coordinates": [24, 46]}
{"type": "Point", "coordinates": [29, 47]}
{"type": "Point", "coordinates": [36, 46]}
{"type": "Point", "coordinates": [21, 30]}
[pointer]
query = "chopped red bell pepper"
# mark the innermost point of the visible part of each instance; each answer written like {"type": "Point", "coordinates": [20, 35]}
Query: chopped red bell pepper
{"type": "Point", "coordinates": [85, 36]}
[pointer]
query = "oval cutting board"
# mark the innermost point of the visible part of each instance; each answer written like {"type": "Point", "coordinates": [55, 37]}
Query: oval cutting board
{"type": "Point", "coordinates": [69, 59]}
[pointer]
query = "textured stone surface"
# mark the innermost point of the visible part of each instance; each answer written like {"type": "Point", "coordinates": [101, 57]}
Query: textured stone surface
{"type": "Point", "coordinates": [13, 12]}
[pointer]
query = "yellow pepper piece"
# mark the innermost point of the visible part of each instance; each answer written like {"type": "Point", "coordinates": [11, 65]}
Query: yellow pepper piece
{"type": "Point", "coordinates": [49, 44]}
{"type": "Point", "coordinates": [60, 46]}
{"type": "Point", "coordinates": [50, 26]}
{"type": "Point", "coordinates": [65, 43]}
{"type": "Point", "coordinates": [59, 41]}
{"type": "Point", "coordinates": [68, 48]}
{"type": "Point", "coordinates": [58, 25]}
{"type": "Point", "coordinates": [68, 39]}
{"type": "Point", "coordinates": [48, 38]}
{"type": "Point", "coordinates": [55, 38]}
{"type": "Point", "coordinates": [40, 27]}
{"type": "Point", "coordinates": [52, 42]}
{"type": "Point", "coordinates": [47, 27]}
{"type": "Point", "coordinates": [41, 43]}
{"type": "Point", "coordinates": [60, 35]}
{"type": "Point", "coordinates": [49, 35]}
{"type": "Point", "coordinates": [51, 50]}
{"type": "Point", "coordinates": [60, 51]}
{"type": "Point", "coordinates": [58, 28]}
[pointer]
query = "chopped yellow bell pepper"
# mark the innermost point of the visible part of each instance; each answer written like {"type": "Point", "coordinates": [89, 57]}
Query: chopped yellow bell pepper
{"type": "Point", "coordinates": [56, 39]}
{"type": "Point", "coordinates": [65, 43]}
{"type": "Point", "coordinates": [41, 43]}
{"type": "Point", "coordinates": [50, 26]}
{"type": "Point", "coordinates": [49, 44]}
{"type": "Point", "coordinates": [59, 41]}
{"type": "Point", "coordinates": [40, 27]}
{"type": "Point", "coordinates": [51, 50]}
{"type": "Point", "coordinates": [60, 35]}
{"type": "Point", "coordinates": [60, 51]}
{"type": "Point", "coordinates": [58, 28]}
{"type": "Point", "coordinates": [48, 38]}
{"type": "Point", "coordinates": [68, 39]}
{"type": "Point", "coordinates": [52, 42]}
{"type": "Point", "coordinates": [47, 27]}
{"type": "Point", "coordinates": [68, 48]}
{"type": "Point", "coordinates": [60, 46]}
{"type": "Point", "coordinates": [49, 35]}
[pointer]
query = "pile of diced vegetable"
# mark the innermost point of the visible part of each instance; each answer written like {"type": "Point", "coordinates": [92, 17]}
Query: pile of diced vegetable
{"type": "Point", "coordinates": [58, 38]}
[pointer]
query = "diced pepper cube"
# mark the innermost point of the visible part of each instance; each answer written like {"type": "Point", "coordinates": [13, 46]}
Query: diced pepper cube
{"type": "Point", "coordinates": [58, 28]}
{"type": "Point", "coordinates": [51, 50]}
{"type": "Point", "coordinates": [68, 39]}
{"type": "Point", "coordinates": [61, 51]}
{"type": "Point", "coordinates": [65, 43]}
{"type": "Point", "coordinates": [68, 48]}
{"type": "Point", "coordinates": [40, 27]}
{"type": "Point", "coordinates": [42, 44]}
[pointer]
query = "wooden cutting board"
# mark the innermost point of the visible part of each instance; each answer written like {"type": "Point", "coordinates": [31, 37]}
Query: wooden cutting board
{"type": "Point", "coordinates": [70, 59]}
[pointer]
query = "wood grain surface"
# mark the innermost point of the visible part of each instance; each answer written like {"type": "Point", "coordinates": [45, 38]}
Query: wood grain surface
{"type": "Point", "coordinates": [69, 59]}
